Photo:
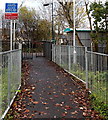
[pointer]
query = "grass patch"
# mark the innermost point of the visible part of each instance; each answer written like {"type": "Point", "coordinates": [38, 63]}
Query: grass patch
{"type": "Point", "coordinates": [99, 106]}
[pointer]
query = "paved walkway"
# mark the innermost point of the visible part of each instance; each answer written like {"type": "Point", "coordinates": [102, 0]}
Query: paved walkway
{"type": "Point", "coordinates": [53, 94]}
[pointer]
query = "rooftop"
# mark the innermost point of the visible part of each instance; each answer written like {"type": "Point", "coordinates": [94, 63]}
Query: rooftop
{"type": "Point", "coordinates": [82, 30]}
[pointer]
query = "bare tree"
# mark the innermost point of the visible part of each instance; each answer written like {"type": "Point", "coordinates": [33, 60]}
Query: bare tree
{"type": "Point", "coordinates": [67, 8]}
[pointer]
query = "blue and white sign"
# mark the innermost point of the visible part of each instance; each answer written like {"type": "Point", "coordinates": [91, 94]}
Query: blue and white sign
{"type": "Point", "coordinates": [11, 7]}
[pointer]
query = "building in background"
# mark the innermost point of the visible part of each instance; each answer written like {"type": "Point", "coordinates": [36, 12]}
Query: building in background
{"type": "Point", "coordinates": [83, 34]}
{"type": "Point", "coordinates": [85, 38]}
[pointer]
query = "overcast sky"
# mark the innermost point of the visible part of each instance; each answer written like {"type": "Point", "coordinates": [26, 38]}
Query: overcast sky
{"type": "Point", "coordinates": [28, 3]}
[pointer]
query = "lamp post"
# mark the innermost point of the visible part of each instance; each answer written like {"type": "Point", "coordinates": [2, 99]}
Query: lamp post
{"type": "Point", "coordinates": [74, 44]}
{"type": "Point", "coordinates": [52, 19]}
{"type": "Point", "coordinates": [106, 22]}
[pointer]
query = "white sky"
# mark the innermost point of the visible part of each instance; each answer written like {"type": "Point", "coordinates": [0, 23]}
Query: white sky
{"type": "Point", "coordinates": [28, 3]}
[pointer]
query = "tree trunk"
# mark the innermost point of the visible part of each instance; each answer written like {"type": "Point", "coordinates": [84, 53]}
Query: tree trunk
{"type": "Point", "coordinates": [68, 16]}
{"type": "Point", "coordinates": [95, 44]}
{"type": "Point", "coordinates": [95, 47]}
{"type": "Point", "coordinates": [79, 41]}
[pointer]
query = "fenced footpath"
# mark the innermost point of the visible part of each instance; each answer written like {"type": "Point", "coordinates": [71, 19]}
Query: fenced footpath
{"type": "Point", "coordinates": [10, 78]}
{"type": "Point", "coordinates": [89, 67]}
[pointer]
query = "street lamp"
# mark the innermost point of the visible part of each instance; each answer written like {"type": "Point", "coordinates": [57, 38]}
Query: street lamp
{"type": "Point", "coordinates": [74, 44]}
{"type": "Point", "coordinates": [52, 19]}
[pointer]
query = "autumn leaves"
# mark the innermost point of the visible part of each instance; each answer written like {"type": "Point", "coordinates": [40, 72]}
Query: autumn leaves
{"type": "Point", "coordinates": [51, 93]}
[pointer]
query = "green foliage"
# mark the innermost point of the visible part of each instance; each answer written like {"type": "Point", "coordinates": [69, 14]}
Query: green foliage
{"type": "Point", "coordinates": [99, 106]}
{"type": "Point", "coordinates": [43, 30]}
{"type": "Point", "coordinates": [8, 89]}
{"type": "Point", "coordinates": [97, 81]}
{"type": "Point", "coordinates": [19, 91]}
{"type": "Point", "coordinates": [98, 84]}
{"type": "Point", "coordinates": [32, 27]}
{"type": "Point", "coordinates": [99, 11]}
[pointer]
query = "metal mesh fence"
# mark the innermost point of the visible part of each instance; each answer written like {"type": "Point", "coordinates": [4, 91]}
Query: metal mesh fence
{"type": "Point", "coordinates": [90, 67]}
{"type": "Point", "coordinates": [97, 75]}
{"type": "Point", "coordinates": [11, 77]}
{"type": "Point", "coordinates": [0, 62]}
{"type": "Point", "coordinates": [63, 56]}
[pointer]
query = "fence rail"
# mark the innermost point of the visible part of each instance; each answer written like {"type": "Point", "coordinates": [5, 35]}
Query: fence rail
{"type": "Point", "coordinates": [91, 67]}
{"type": "Point", "coordinates": [10, 78]}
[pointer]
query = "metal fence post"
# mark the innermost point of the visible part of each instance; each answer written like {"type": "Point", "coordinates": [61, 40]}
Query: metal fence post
{"type": "Point", "coordinates": [86, 64]}
{"type": "Point", "coordinates": [54, 52]}
{"type": "Point", "coordinates": [69, 57]}
{"type": "Point", "coordinates": [9, 76]}
{"type": "Point", "coordinates": [20, 64]}
{"type": "Point", "coordinates": [0, 85]}
{"type": "Point", "coordinates": [107, 80]}
{"type": "Point", "coordinates": [20, 46]}
{"type": "Point", "coordinates": [60, 53]}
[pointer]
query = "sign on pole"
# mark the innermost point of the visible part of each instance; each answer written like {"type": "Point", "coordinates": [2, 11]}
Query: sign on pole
{"type": "Point", "coordinates": [11, 7]}
{"type": "Point", "coordinates": [11, 10]}
{"type": "Point", "coordinates": [11, 13]}
{"type": "Point", "coordinates": [11, 16]}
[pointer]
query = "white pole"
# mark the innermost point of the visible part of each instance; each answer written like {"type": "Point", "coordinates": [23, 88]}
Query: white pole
{"type": "Point", "coordinates": [14, 36]}
{"type": "Point", "coordinates": [74, 51]}
{"type": "Point", "coordinates": [10, 34]}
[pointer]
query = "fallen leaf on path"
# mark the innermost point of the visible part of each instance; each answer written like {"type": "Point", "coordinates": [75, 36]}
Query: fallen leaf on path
{"type": "Point", "coordinates": [30, 96]}
{"type": "Point", "coordinates": [75, 112]}
{"type": "Point", "coordinates": [54, 92]}
{"type": "Point", "coordinates": [65, 89]}
{"type": "Point", "coordinates": [49, 87]}
{"type": "Point", "coordinates": [51, 98]}
{"type": "Point", "coordinates": [63, 114]}
{"type": "Point", "coordinates": [49, 93]}
{"type": "Point", "coordinates": [46, 108]}
{"type": "Point", "coordinates": [27, 90]}
{"type": "Point", "coordinates": [55, 116]}
{"type": "Point", "coordinates": [65, 84]}
{"type": "Point", "coordinates": [72, 93]}
{"type": "Point", "coordinates": [15, 104]}
{"type": "Point", "coordinates": [35, 102]}
{"type": "Point", "coordinates": [19, 109]}
{"type": "Point", "coordinates": [63, 94]}
{"type": "Point", "coordinates": [33, 88]}
{"type": "Point", "coordinates": [81, 108]}
{"type": "Point", "coordinates": [26, 111]}
{"type": "Point", "coordinates": [84, 114]}
{"type": "Point", "coordinates": [57, 104]}
{"type": "Point", "coordinates": [62, 102]}
{"type": "Point", "coordinates": [42, 113]}
{"type": "Point", "coordinates": [44, 103]}
{"type": "Point", "coordinates": [67, 107]}
{"type": "Point", "coordinates": [56, 96]}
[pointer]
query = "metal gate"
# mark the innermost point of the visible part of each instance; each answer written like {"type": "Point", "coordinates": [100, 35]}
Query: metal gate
{"type": "Point", "coordinates": [31, 50]}
{"type": "Point", "coordinates": [38, 48]}
{"type": "Point", "coordinates": [27, 50]}
{"type": "Point", "coordinates": [35, 49]}
{"type": "Point", "coordinates": [48, 49]}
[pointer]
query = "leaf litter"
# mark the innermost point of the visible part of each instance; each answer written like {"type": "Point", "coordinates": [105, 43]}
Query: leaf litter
{"type": "Point", "coordinates": [81, 99]}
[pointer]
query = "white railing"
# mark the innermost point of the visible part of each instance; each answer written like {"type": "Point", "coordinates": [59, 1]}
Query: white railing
{"type": "Point", "coordinates": [10, 78]}
{"type": "Point", "coordinates": [90, 67]}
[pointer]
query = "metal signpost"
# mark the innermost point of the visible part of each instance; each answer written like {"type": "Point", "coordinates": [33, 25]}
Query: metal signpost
{"type": "Point", "coordinates": [11, 13]}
